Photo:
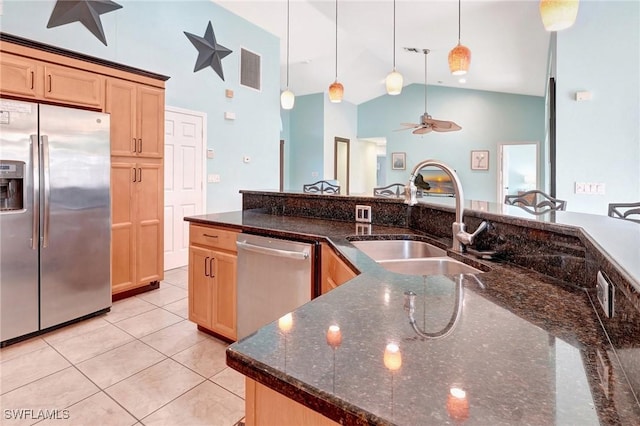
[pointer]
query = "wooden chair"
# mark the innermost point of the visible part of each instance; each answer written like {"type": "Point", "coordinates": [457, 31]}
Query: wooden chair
{"type": "Point", "coordinates": [625, 211]}
{"type": "Point", "coordinates": [394, 190]}
{"type": "Point", "coordinates": [535, 200]}
{"type": "Point", "coordinates": [322, 187]}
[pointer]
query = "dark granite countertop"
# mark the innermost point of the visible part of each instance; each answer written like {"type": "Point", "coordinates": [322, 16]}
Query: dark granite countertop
{"type": "Point", "coordinates": [526, 348]}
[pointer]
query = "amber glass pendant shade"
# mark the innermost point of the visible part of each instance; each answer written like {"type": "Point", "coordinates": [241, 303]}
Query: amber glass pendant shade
{"type": "Point", "coordinates": [558, 15]}
{"type": "Point", "coordinates": [459, 60]}
{"type": "Point", "coordinates": [336, 92]}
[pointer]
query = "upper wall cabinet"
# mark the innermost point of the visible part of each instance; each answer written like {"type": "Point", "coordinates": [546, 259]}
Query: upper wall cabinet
{"type": "Point", "coordinates": [136, 127]}
{"type": "Point", "coordinates": [43, 81]}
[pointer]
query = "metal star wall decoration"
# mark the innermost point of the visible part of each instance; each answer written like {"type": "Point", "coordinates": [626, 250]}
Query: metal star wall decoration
{"type": "Point", "coordinates": [87, 12]}
{"type": "Point", "coordinates": [210, 53]}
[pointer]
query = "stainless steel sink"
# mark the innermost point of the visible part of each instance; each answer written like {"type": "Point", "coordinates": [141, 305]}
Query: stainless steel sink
{"type": "Point", "coordinates": [398, 249]}
{"type": "Point", "coordinates": [428, 266]}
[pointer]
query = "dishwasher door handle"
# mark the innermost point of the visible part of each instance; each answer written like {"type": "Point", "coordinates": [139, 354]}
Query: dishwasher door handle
{"type": "Point", "coordinates": [298, 255]}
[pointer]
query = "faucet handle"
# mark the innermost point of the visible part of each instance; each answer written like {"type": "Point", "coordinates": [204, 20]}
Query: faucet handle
{"type": "Point", "coordinates": [466, 238]}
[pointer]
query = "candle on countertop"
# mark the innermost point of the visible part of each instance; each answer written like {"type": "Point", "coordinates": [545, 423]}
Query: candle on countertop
{"type": "Point", "coordinates": [334, 336]}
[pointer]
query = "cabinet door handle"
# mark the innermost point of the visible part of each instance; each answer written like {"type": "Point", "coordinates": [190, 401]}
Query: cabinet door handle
{"type": "Point", "coordinates": [50, 83]}
{"type": "Point", "coordinates": [211, 267]}
{"type": "Point", "coordinates": [133, 148]}
{"type": "Point", "coordinates": [206, 261]}
{"type": "Point", "coordinates": [134, 175]}
{"type": "Point", "coordinates": [33, 80]}
{"type": "Point", "coordinates": [140, 170]}
{"type": "Point", "coordinates": [140, 145]}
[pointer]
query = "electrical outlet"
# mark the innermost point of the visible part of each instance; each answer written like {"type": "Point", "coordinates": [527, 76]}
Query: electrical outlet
{"type": "Point", "coordinates": [606, 294]}
{"type": "Point", "coordinates": [363, 213]}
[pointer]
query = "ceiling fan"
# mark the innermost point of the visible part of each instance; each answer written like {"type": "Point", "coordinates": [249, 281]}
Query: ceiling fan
{"type": "Point", "coordinates": [428, 124]}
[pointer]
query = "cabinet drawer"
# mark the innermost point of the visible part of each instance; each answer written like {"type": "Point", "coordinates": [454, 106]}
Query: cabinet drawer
{"type": "Point", "coordinates": [213, 237]}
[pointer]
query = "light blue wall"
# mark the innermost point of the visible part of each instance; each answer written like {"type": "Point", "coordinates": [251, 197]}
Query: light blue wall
{"type": "Point", "coordinates": [598, 141]}
{"type": "Point", "coordinates": [306, 155]}
{"type": "Point", "coordinates": [149, 35]}
{"type": "Point", "coordinates": [487, 118]}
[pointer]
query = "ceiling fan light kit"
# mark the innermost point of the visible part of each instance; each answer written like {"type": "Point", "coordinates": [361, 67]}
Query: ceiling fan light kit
{"type": "Point", "coordinates": [558, 15]}
{"type": "Point", "coordinates": [394, 80]}
{"type": "Point", "coordinates": [336, 89]}
{"type": "Point", "coordinates": [460, 56]}
{"type": "Point", "coordinates": [287, 98]}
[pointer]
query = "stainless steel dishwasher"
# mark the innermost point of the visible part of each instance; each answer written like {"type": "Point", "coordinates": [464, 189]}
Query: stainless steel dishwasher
{"type": "Point", "coordinates": [274, 277]}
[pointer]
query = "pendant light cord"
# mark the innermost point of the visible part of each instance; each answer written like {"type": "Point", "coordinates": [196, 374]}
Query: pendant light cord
{"type": "Point", "coordinates": [459, 21]}
{"type": "Point", "coordinates": [394, 35]}
{"type": "Point", "coordinates": [426, 52]}
{"type": "Point", "coordinates": [287, 44]}
{"type": "Point", "coordinates": [336, 40]}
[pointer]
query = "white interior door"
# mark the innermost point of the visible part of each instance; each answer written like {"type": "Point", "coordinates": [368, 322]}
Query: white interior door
{"type": "Point", "coordinates": [183, 183]}
{"type": "Point", "coordinates": [518, 168]}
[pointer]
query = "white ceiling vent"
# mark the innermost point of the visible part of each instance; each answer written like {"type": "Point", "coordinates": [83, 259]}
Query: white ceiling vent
{"type": "Point", "coordinates": [250, 64]}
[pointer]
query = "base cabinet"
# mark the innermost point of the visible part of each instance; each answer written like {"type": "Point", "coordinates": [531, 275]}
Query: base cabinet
{"type": "Point", "coordinates": [213, 264]}
{"type": "Point", "coordinates": [264, 406]}
{"type": "Point", "coordinates": [334, 270]}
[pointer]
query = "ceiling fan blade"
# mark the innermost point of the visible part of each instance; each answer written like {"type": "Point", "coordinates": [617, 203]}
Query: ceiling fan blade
{"type": "Point", "coordinates": [443, 125]}
{"type": "Point", "coordinates": [410, 124]}
{"type": "Point", "coordinates": [422, 130]}
{"type": "Point", "coordinates": [404, 128]}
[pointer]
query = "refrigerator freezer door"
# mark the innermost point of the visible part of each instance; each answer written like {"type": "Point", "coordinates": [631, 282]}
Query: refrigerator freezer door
{"type": "Point", "coordinates": [18, 253]}
{"type": "Point", "coordinates": [75, 249]}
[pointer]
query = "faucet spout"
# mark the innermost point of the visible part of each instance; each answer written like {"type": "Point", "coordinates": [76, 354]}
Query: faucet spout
{"type": "Point", "coordinates": [460, 235]}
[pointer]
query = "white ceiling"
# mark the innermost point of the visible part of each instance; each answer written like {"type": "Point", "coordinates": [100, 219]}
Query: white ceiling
{"type": "Point", "coordinates": [508, 43]}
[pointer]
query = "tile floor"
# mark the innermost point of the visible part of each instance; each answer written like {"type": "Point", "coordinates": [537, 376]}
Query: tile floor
{"type": "Point", "coordinates": [143, 363]}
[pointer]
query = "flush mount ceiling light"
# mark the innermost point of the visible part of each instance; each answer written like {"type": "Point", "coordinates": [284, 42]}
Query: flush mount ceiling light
{"type": "Point", "coordinates": [394, 79]}
{"type": "Point", "coordinates": [287, 98]}
{"type": "Point", "coordinates": [558, 15]}
{"type": "Point", "coordinates": [428, 124]}
{"type": "Point", "coordinates": [336, 89]}
{"type": "Point", "coordinates": [460, 56]}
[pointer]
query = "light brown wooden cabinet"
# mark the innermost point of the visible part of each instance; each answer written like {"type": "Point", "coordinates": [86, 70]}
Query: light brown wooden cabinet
{"type": "Point", "coordinates": [136, 224]}
{"type": "Point", "coordinates": [40, 80]}
{"type": "Point", "coordinates": [137, 119]}
{"type": "Point", "coordinates": [264, 406]}
{"type": "Point", "coordinates": [213, 263]}
{"type": "Point", "coordinates": [335, 271]}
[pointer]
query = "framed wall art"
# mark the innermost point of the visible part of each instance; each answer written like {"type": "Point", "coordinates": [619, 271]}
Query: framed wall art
{"type": "Point", "coordinates": [398, 161]}
{"type": "Point", "coordinates": [479, 160]}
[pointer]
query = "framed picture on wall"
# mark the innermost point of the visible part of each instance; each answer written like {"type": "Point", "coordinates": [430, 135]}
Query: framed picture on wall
{"type": "Point", "coordinates": [398, 161]}
{"type": "Point", "coordinates": [479, 160]}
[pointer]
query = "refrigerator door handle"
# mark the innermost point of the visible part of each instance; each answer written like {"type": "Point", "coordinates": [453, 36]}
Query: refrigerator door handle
{"type": "Point", "coordinates": [47, 190]}
{"type": "Point", "coordinates": [36, 191]}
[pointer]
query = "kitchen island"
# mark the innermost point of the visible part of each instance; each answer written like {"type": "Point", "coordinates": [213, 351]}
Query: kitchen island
{"type": "Point", "coordinates": [526, 348]}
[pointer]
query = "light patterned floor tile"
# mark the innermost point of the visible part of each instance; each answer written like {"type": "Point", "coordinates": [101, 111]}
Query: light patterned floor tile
{"type": "Point", "coordinates": [175, 338]}
{"type": "Point", "coordinates": [25, 369]}
{"type": "Point", "coordinates": [181, 308]}
{"type": "Point", "coordinates": [148, 322]}
{"type": "Point", "coordinates": [164, 295]}
{"type": "Point", "coordinates": [207, 404]}
{"type": "Point", "coordinates": [154, 387]}
{"type": "Point", "coordinates": [22, 348]}
{"type": "Point", "coordinates": [88, 345]}
{"type": "Point", "coordinates": [127, 308]}
{"type": "Point", "coordinates": [231, 380]}
{"type": "Point", "coordinates": [87, 326]}
{"type": "Point", "coordinates": [177, 277]}
{"type": "Point", "coordinates": [119, 363]}
{"type": "Point", "coordinates": [206, 358]}
{"type": "Point", "coordinates": [55, 392]}
{"type": "Point", "coordinates": [97, 409]}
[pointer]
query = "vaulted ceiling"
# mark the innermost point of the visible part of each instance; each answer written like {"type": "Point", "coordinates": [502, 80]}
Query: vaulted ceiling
{"type": "Point", "coordinates": [508, 43]}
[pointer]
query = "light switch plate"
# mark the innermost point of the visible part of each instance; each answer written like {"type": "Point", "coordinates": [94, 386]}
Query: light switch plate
{"type": "Point", "coordinates": [606, 294]}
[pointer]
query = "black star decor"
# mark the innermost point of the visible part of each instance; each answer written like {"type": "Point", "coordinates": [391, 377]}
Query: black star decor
{"type": "Point", "coordinates": [210, 53]}
{"type": "Point", "coordinates": [87, 12]}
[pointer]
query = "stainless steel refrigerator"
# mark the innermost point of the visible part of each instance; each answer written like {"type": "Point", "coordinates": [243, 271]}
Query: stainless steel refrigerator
{"type": "Point", "coordinates": [55, 220]}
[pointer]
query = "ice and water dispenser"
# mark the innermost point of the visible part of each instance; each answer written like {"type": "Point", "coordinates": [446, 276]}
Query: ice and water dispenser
{"type": "Point", "coordinates": [11, 185]}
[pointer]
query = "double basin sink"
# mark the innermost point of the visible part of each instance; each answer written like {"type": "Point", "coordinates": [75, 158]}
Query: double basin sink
{"type": "Point", "coordinates": [412, 257]}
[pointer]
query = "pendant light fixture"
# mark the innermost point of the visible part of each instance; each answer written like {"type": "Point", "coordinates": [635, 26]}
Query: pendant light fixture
{"type": "Point", "coordinates": [287, 98]}
{"type": "Point", "coordinates": [336, 89]}
{"type": "Point", "coordinates": [460, 56]}
{"type": "Point", "coordinates": [394, 79]}
{"type": "Point", "coordinates": [558, 14]}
